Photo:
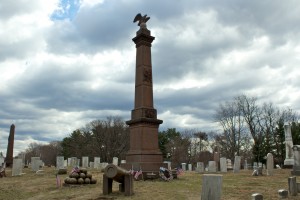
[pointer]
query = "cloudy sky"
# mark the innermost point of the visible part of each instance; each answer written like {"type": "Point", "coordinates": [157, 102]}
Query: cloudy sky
{"type": "Point", "coordinates": [64, 63]}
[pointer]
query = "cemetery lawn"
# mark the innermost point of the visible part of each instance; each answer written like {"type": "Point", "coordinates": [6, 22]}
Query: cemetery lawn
{"type": "Point", "coordinates": [188, 186]}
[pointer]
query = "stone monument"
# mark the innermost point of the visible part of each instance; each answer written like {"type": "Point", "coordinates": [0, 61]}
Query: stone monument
{"type": "Point", "coordinates": [10, 147]}
{"type": "Point", "coordinates": [296, 167]}
{"type": "Point", "coordinates": [289, 154]}
{"type": "Point", "coordinates": [144, 152]}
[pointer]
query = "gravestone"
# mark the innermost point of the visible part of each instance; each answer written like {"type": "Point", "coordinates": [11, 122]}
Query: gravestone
{"type": "Point", "coordinates": [289, 154]}
{"type": "Point", "coordinates": [10, 147]}
{"type": "Point", "coordinates": [200, 167]}
{"type": "Point", "coordinates": [270, 164]}
{"type": "Point", "coordinates": [245, 165]}
{"type": "Point", "coordinates": [190, 167]}
{"type": "Point", "coordinates": [283, 194]}
{"type": "Point", "coordinates": [229, 164]}
{"type": "Point", "coordinates": [211, 187]}
{"type": "Point", "coordinates": [212, 166]}
{"type": "Point", "coordinates": [296, 167]}
{"type": "Point", "coordinates": [1, 159]}
{"type": "Point", "coordinates": [85, 162]}
{"type": "Point", "coordinates": [103, 165]}
{"type": "Point", "coordinates": [73, 162]}
{"type": "Point", "coordinates": [35, 163]}
{"type": "Point", "coordinates": [237, 164]}
{"type": "Point", "coordinates": [169, 164]}
{"type": "Point", "coordinates": [97, 162]}
{"type": "Point", "coordinates": [183, 166]}
{"type": "Point", "coordinates": [116, 161]}
{"type": "Point", "coordinates": [65, 163]}
{"type": "Point", "coordinates": [17, 167]}
{"type": "Point", "coordinates": [223, 164]}
{"type": "Point", "coordinates": [255, 165]}
{"type": "Point", "coordinates": [257, 196]}
{"type": "Point", "coordinates": [217, 160]}
{"type": "Point", "coordinates": [60, 161]}
{"type": "Point", "coordinates": [292, 183]}
{"type": "Point", "coordinates": [69, 162]}
{"type": "Point", "coordinates": [91, 165]}
{"type": "Point", "coordinates": [78, 162]}
{"type": "Point", "coordinates": [123, 161]}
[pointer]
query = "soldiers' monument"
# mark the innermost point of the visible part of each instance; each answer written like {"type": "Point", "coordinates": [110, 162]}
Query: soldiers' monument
{"type": "Point", "coordinates": [10, 146]}
{"type": "Point", "coordinates": [144, 152]}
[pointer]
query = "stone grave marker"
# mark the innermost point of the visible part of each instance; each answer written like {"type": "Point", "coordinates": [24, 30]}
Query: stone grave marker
{"type": "Point", "coordinates": [200, 167]}
{"type": "Point", "coordinates": [245, 165]}
{"type": "Point", "coordinates": [237, 164]}
{"type": "Point", "coordinates": [35, 163]}
{"type": "Point", "coordinates": [91, 165]}
{"type": "Point", "coordinates": [69, 162]}
{"type": "Point", "coordinates": [270, 164]}
{"type": "Point", "coordinates": [116, 161]}
{"type": "Point", "coordinates": [190, 167]}
{"type": "Point", "coordinates": [60, 161]}
{"type": "Point", "coordinates": [169, 164]}
{"type": "Point", "coordinates": [229, 164]}
{"type": "Point", "coordinates": [211, 187]}
{"type": "Point", "coordinates": [289, 154]}
{"type": "Point", "coordinates": [85, 161]}
{"type": "Point", "coordinates": [212, 166]}
{"type": "Point", "coordinates": [97, 162]}
{"type": "Point", "coordinates": [17, 167]}
{"type": "Point", "coordinates": [296, 167]}
{"type": "Point", "coordinates": [223, 164]}
{"type": "Point", "coordinates": [65, 163]}
{"type": "Point", "coordinates": [183, 166]}
{"type": "Point", "coordinates": [255, 165]}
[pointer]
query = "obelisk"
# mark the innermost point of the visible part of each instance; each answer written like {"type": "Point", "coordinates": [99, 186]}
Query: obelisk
{"type": "Point", "coordinates": [144, 152]}
{"type": "Point", "coordinates": [289, 154]}
{"type": "Point", "coordinates": [10, 146]}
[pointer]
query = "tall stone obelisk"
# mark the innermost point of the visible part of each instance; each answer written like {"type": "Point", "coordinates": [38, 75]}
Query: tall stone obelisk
{"type": "Point", "coordinates": [10, 146]}
{"type": "Point", "coordinates": [289, 153]}
{"type": "Point", "coordinates": [144, 152]}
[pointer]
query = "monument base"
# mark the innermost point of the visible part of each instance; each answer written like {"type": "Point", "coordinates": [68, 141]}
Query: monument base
{"type": "Point", "coordinates": [288, 163]}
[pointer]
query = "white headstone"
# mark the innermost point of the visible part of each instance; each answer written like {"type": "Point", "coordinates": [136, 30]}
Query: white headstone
{"type": "Point", "coordinates": [17, 167]}
{"type": "Point", "coordinates": [65, 163]}
{"type": "Point", "coordinates": [212, 166]}
{"type": "Point", "coordinates": [60, 161]}
{"type": "Point", "coordinates": [183, 166]}
{"type": "Point", "coordinates": [211, 187]}
{"type": "Point", "coordinates": [35, 163]}
{"type": "Point", "coordinates": [103, 165]}
{"type": "Point", "coordinates": [115, 161]}
{"type": "Point", "coordinates": [69, 162]}
{"type": "Point", "coordinates": [289, 154]}
{"type": "Point", "coordinates": [123, 161]}
{"type": "Point", "coordinates": [91, 165]}
{"type": "Point", "coordinates": [1, 160]}
{"type": "Point", "coordinates": [237, 164]}
{"type": "Point", "coordinates": [169, 164]}
{"type": "Point", "coordinates": [85, 162]}
{"type": "Point", "coordinates": [296, 167]}
{"type": "Point", "coordinates": [229, 164]}
{"type": "Point", "coordinates": [245, 165]}
{"type": "Point", "coordinates": [97, 162]}
{"type": "Point", "coordinates": [73, 162]}
{"type": "Point", "coordinates": [190, 167]}
{"type": "Point", "coordinates": [270, 164]}
{"type": "Point", "coordinates": [255, 165]}
{"type": "Point", "coordinates": [223, 164]}
{"type": "Point", "coordinates": [200, 167]}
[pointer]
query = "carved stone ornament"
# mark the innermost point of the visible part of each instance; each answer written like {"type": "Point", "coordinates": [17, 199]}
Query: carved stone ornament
{"type": "Point", "coordinates": [147, 76]}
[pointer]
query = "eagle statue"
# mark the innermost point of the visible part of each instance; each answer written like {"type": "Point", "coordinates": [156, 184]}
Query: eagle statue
{"type": "Point", "coordinates": [141, 19]}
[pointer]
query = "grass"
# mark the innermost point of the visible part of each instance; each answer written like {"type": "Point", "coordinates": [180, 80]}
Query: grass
{"type": "Point", "coordinates": [188, 186]}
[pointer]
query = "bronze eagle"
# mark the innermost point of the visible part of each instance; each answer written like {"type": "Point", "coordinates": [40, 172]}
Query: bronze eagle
{"type": "Point", "coordinates": [141, 19]}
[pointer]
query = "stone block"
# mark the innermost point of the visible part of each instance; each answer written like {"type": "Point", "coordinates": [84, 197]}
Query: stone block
{"type": "Point", "coordinates": [283, 194]}
{"type": "Point", "coordinates": [257, 196]}
{"type": "Point", "coordinates": [211, 187]}
{"type": "Point", "coordinates": [293, 190]}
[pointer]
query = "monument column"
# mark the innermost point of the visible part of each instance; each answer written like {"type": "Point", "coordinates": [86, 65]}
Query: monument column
{"type": "Point", "coordinates": [144, 152]}
{"type": "Point", "coordinates": [289, 154]}
{"type": "Point", "coordinates": [10, 146]}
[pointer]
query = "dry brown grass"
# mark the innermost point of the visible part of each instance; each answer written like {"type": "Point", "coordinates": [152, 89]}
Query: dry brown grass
{"type": "Point", "coordinates": [187, 186]}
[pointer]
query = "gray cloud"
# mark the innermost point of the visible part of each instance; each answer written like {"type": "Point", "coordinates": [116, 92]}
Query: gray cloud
{"type": "Point", "coordinates": [66, 73]}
